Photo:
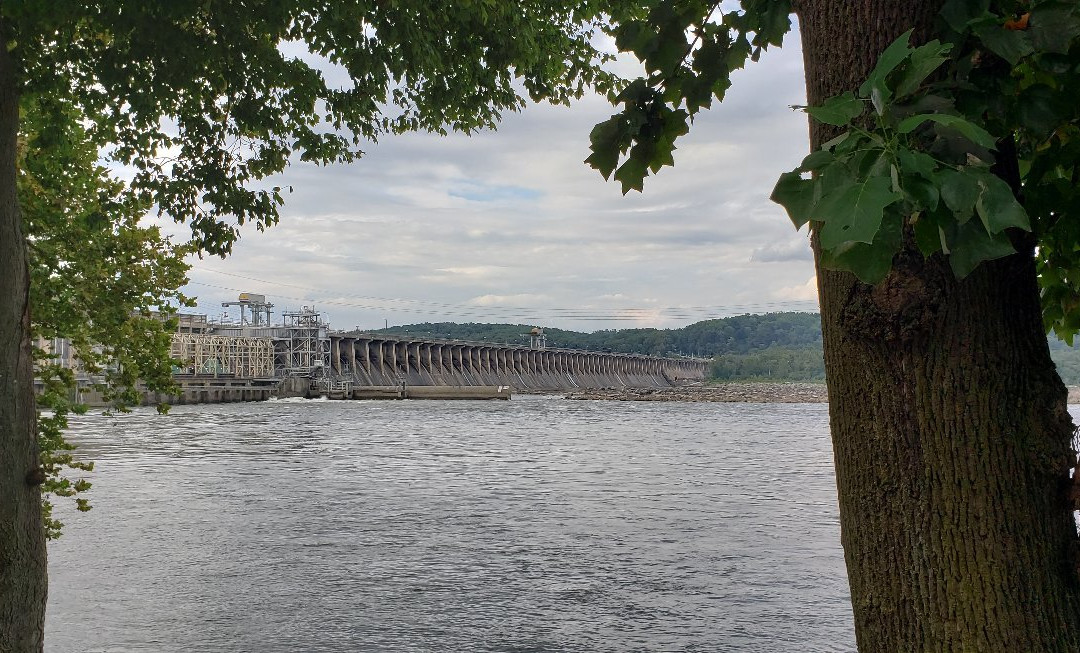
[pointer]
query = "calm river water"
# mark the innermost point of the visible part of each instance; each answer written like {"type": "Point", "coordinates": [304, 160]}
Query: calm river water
{"type": "Point", "coordinates": [538, 524]}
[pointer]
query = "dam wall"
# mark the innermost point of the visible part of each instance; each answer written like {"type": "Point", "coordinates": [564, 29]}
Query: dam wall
{"type": "Point", "coordinates": [377, 360]}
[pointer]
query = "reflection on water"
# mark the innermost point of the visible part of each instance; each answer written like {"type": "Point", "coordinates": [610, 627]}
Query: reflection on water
{"type": "Point", "coordinates": [538, 524]}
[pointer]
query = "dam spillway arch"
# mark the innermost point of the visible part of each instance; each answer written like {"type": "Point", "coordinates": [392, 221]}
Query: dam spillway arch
{"type": "Point", "coordinates": [381, 360]}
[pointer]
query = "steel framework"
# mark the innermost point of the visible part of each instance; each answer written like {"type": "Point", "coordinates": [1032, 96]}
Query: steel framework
{"type": "Point", "coordinates": [243, 357]}
{"type": "Point", "coordinates": [302, 345]}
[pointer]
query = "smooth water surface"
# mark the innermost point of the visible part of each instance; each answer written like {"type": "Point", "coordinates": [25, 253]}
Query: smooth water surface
{"type": "Point", "coordinates": [538, 524]}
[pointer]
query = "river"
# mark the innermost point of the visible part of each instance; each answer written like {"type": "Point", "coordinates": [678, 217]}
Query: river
{"type": "Point", "coordinates": [534, 525]}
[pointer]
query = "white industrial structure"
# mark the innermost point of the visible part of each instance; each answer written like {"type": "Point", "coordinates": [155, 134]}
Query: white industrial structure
{"type": "Point", "coordinates": [239, 356]}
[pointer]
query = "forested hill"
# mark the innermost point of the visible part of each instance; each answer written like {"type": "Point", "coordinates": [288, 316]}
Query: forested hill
{"type": "Point", "coordinates": [740, 334]}
{"type": "Point", "coordinates": [773, 346]}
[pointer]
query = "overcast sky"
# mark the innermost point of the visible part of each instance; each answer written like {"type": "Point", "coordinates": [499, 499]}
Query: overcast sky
{"type": "Point", "coordinates": [511, 226]}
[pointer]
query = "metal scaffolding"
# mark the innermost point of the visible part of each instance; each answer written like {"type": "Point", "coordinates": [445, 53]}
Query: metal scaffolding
{"type": "Point", "coordinates": [302, 345]}
{"type": "Point", "coordinates": [242, 357]}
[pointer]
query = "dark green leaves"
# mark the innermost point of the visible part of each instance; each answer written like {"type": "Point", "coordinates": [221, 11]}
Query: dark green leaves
{"type": "Point", "coordinates": [967, 129]}
{"type": "Point", "coordinates": [919, 163]}
{"type": "Point", "coordinates": [852, 210]}
{"type": "Point", "coordinates": [869, 262]}
{"type": "Point", "coordinates": [970, 245]}
{"type": "Point", "coordinates": [901, 70]}
{"type": "Point", "coordinates": [1010, 45]}
{"type": "Point", "coordinates": [688, 50]}
{"type": "Point", "coordinates": [997, 206]}
{"type": "Point", "coordinates": [797, 195]}
{"type": "Point", "coordinates": [1054, 26]}
{"type": "Point", "coordinates": [646, 130]}
{"type": "Point", "coordinates": [839, 110]}
{"type": "Point", "coordinates": [959, 192]}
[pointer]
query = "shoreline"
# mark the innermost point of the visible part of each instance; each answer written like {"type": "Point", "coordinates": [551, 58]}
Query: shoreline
{"type": "Point", "coordinates": [749, 392]}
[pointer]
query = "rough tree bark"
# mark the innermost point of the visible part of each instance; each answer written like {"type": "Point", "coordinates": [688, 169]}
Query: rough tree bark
{"type": "Point", "coordinates": [951, 436]}
{"type": "Point", "coordinates": [23, 574]}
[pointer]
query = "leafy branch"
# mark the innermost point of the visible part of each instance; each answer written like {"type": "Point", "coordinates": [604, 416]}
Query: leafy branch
{"type": "Point", "coordinates": [688, 56]}
{"type": "Point", "coordinates": [930, 171]}
{"type": "Point", "coordinates": [926, 137]}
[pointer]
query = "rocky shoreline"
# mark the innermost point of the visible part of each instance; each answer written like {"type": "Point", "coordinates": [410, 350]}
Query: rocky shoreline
{"type": "Point", "coordinates": [781, 393]}
{"type": "Point", "coordinates": [790, 393]}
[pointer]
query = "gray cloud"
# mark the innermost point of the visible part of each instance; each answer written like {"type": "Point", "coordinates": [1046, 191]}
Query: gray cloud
{"type": "Point", "coordinates": [783, 252]}
{"type": "Point", "coordinates": [508, 224]}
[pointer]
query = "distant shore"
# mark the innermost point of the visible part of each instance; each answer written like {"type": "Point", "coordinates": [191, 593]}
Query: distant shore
{"type": "Point", "coordinates": [780, 393]}
{"type": "Point", "coordinates": [789, 393]}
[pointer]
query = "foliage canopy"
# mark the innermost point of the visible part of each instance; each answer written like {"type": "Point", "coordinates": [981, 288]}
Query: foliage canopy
{"type": "Point", "coordinates": [204, 99]}
{"type": "Point", "coordinates": [99, 280]}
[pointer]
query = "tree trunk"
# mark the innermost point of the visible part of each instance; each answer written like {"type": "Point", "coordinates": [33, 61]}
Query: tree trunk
{"type": "Point", "coordinates": [951, 437]}
{"type": "Point", "coordinates": [23, 573]}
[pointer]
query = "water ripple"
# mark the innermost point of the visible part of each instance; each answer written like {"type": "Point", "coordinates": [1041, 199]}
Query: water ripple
{"type": "Point", "coordinates": [532, 525]}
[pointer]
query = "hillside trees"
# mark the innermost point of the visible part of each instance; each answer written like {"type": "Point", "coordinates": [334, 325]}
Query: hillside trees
{"type": "Point", "coordinates": [738, 334]}
{"type": "Point", "coordinates": [941, 195]}
{"type": "Point", "coordinates": [200, 101]}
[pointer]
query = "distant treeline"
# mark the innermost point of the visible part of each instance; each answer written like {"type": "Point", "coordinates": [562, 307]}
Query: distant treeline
{"type": "Point", "coordinates": [741, 334]}
{"type": "Point", "coordinates": [778, 346]}
{"type": "Point", "coordinates": [773, 346]}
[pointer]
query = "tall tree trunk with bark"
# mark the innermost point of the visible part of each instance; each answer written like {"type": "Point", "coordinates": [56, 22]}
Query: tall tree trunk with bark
{"type": "Point", "coordinates": [951, 436]}
{"type": "Point", "coordinates": [23, 573]}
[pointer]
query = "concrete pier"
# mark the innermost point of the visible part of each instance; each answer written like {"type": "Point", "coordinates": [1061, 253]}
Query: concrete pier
{"type": "Point", "coordinates": [430, 392]}
{"type": "Point", "coordinates": [195, 389]}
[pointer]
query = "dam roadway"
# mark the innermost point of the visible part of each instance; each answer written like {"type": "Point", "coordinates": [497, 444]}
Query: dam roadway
{"type": "Point", "coordinates": [365, 359]}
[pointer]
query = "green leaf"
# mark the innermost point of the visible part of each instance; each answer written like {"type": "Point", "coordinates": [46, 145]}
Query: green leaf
{"type": "Point", "coordinates": [843, 143]}
{"type": "Point", "coordinates": [970, 245]}
{"type": "Point", "coordinates": [967, 129]}
{"type": "Point", "coordinates": [852, 211]}
{"type": "Point", "coordinates": [889, 59]}
{"type": "Point", "coordinates": [922, 194]}
{"type": "Point", "coordinates": [838, 110]}
{"type": "Point", "coordinates": [604, 160]}
{"type": "Point", "coordinates": [916, 163]}
{"type": "Point", "coordinates": [632, 174]}
{"type": "Point", "coordinates": [1042, 109]}
{"type": "Point", "coordinates": [816, 160]}
{"type": "Point", "coordinates": [869, 262]}
{"type": "Point", "coordinates": [870, 162]}
{"type": "Point", "coordinates": [604, 139]}
{"type": "Point", "coordinates": [997, 206]}
{"type": "Point", "coordinates": [797, 195]}
{"type": "Point", "coordinates": [1054, 26]}
{"type": "Point", "coordinates": [1010, 45]}
{"type": "Point", "coordinates": [927, 234]}
{"type": "Point", "coordinates": [879, 98]}
{"type": "Point", "coordinates": [634, 36]}
{"type": "Point", "coordinates": [924, 61]}
{"type": "Point", "coordinates": [959, 191]}
{"type": "Point", "coordinates": [958, 14]}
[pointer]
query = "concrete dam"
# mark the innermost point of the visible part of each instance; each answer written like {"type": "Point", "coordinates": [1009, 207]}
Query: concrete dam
{"type": "Point", "coordinates": [362, 359]}
{"type": "Point", "coordinates": [252, 360]}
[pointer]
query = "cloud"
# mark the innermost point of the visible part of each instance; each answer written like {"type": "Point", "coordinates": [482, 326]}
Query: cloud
{"type": "Point", "coordinates": [782, 252]}
{"type": "Point", "coordinates": [429, 228]}
{"type": "Point", "coordinates": [804, 292]}
{"type": "Point", "coordinates": [509, 300]}
{"type": "Point", "coordinates": [475, 191]}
